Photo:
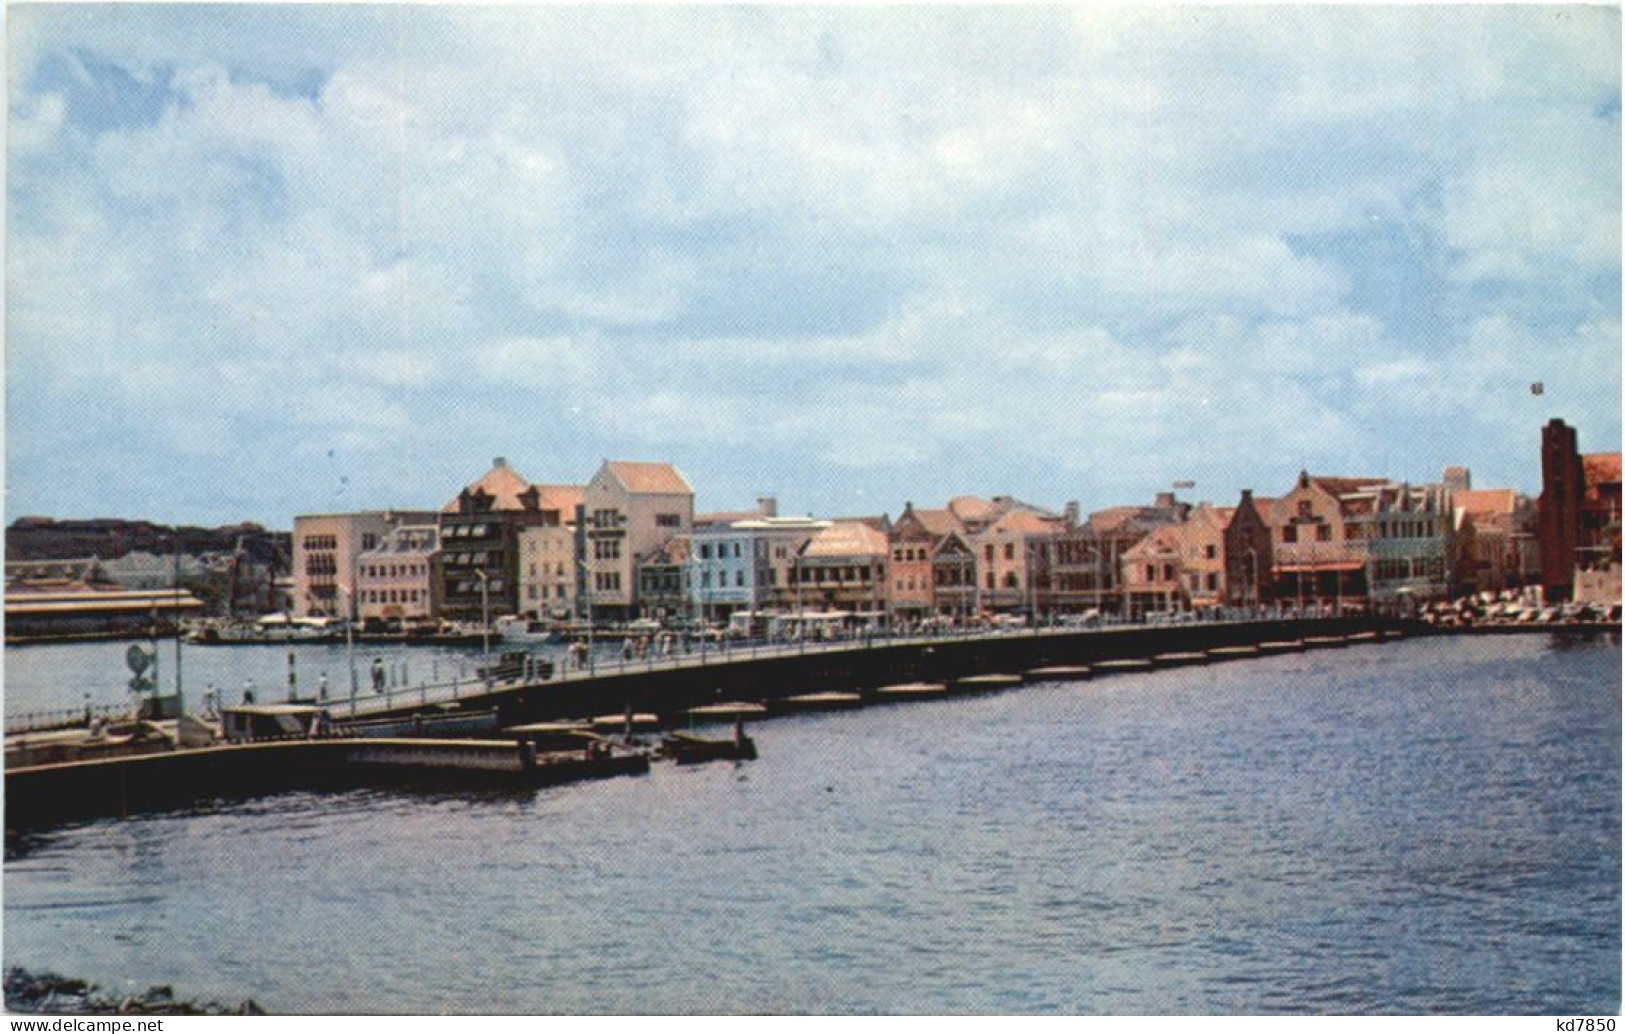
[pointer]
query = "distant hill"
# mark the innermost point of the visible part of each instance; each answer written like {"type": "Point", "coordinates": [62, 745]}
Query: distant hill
{"type": "Point", "coordinates": [42, 538]}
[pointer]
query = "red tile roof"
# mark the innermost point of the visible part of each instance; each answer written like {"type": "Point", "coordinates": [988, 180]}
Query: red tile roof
{"type": "Point", "coordinates": [1601, 468]}
{"type": "Point", "coordinates": [1487, 500]}
{"type": "Point", "coordinates": [939, 522]}
{"type": "Point", "coordinates": [502, 483]}
{"type": "Point", "coordinates": [563, 498]}
{"type": "Point", "coordinates": [650, 478]}
{"type": "Point", "coordinates": [847, 538]}
{"type": "Point", "coordinates": [1344, 486]}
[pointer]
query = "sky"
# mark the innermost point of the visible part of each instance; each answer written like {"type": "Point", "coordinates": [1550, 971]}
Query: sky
{"type": "Point", "coordinates": [275, 260]}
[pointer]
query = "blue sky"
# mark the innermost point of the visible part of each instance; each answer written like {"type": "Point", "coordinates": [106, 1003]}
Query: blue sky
{"type": "Point", "coordinates": [264, 261]}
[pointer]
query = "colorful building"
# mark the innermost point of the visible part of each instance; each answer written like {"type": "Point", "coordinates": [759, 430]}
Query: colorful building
{"type": "Point", "coordinates": [744, 564]}
{"type": "Point", "coordinates": [395, 581]}
{"type": "Point", "coordinates": [479, 540]}
{"type": "Point", "coordinates": [629, 510]}
{"type": "Point", "coordinates": [326, 550]}
{"type": "Point", "coordinates": [842, 568]}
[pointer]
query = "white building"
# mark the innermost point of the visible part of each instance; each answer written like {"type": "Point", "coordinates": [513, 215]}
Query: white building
{"type": "Point", "coordinates": [395, 581]}
{"type": "Point", "coordinates": [746, 564]}
{"type": "Point", "coordinates": [630, 509]}
{"type": "Point", "coordinates": [547, 571]}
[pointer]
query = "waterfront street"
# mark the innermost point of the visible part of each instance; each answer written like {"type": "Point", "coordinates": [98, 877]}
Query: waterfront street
{"type": "Point", "coordinates": [1312, 832]}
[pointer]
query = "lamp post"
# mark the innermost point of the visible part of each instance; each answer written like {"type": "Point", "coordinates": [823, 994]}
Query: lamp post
{"type": "Point", "coordinates": [1252, 563]}
{"type": "Point", "coordinates": [485, 616]}
{"type": "Point", "coordinates": [349, 639]}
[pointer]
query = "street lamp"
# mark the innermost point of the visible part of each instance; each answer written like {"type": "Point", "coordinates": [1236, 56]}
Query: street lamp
{"type": "Point", "coordinates": [349, 639]}
{"type": "Point", "coordinates": [485, 614]}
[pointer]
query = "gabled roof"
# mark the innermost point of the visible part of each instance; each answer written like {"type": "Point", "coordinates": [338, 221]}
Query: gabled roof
{"type": "Point", "coordinates": [846, 538]}
{"type": "Point", "coordinates": [649, 478]}
{"type": "Point", "coordinates": [934, 523]}
{"type": "Point", "coordinates": [563, 498]}
{"type": "Point", "coordinates": [1165, 539]}
{"type": "Point", "coordinates": [674, 550]}
{"type": "Point", "coordinates": [1487, 500]}
{"type": "Point", "coordinates": [1023, 522]}
{"type": "Point", "coordinates": [502, 483]}
{"type": "Point", "coordinates": [970, 509]}
{"type": "Point", "coordinates": [1601, 468]}
{"type": "Point", "coordinates": [1341, 486]}
{"type": "Point", "coordinates": [1113, 517]}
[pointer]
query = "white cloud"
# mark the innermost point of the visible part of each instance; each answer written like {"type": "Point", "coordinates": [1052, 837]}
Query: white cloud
{"type": "Point", "coordinates": [1079, 242]}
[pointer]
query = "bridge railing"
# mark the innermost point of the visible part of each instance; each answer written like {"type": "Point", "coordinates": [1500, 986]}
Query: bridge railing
{"type": "Point", "coordinates": [705, 653]}
{"type": "Point", "coordinates": [65, 717]}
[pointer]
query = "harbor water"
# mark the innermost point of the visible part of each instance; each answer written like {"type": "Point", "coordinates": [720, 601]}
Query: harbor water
{"type": "Point", "coordinates": [1424, 826]}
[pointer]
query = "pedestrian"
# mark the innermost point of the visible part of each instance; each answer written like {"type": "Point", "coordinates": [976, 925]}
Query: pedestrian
{"type": "Point", "coordinates": [321, 687]}
{"type": "Point", "coordinates": [248, 691]}
{"type": "Point", "coordinates": [377, 674]}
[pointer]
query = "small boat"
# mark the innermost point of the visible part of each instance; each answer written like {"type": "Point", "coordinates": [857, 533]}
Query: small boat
{"type": "Point", "coordinates": [687, 749]}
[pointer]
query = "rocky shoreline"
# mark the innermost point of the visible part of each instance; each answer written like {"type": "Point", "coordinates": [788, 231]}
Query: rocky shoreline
{"type": "Point", "coordinates": [50, 993]}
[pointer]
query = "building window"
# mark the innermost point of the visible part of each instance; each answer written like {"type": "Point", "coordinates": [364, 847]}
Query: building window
{"type": "Point", "coordinates": [1211, 552]}
{"type": "Point", "coordinates": [1009, 550]}
{"type": "Point", "coordinates": [1323, 533]}
{"type": "Point", "coordinates": [1289, 533]}
{"type": "Point", "coordinates": [668, 520]}
{"type": "Point", "coordinates": [989, 550]}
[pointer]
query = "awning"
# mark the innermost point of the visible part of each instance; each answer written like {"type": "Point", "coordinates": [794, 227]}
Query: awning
{"type": "Point", "coordinates": [1329, 565]}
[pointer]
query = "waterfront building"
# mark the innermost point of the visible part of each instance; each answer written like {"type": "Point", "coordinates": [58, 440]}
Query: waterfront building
{"type": "Point", "coordinates": [1562, 487]}
{"type": "Point", "coordinates": [1078, 568]}
{"type": "Point", "coordinates": [1202, 563]}
{"type": "Point", "coordinates": [1151, 573]}
{"type": "Point", "coordinates": [1579, 511]}
{"type": "Point", "coordinates": [479, 540]}
{"type": "Point", "coordinates": [1248, 557]}
{"type": "Point", "coordinates": [395, 581]}
{"type": "Point", "coordinates": [1361, 540]}
{"type": "Point", "coordinates": [745, 563]}
{"type": "Point", "coordinates": [1495, 545]}
{"type": "Point", "coordinates": [953, 577]}
{"type": "Point", "coordinates": [663, 574]}
{"type": "Point", "coordinates": [629, 510]}
{"type": "Point", "coordinates": [1178, 566]}
{"type": "Point", "coordinates": [326, 549]}
{"type": "Point", "coordinates": [1004, 561]}
{"type": "Point", "coordinates": [548, 570]}
{"type": "Point", "coordinates": [842, 568]}
{"type": "Point", "coordinates": [914, 540]}
{"type": "Point", "coordinates": [94, 609]}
